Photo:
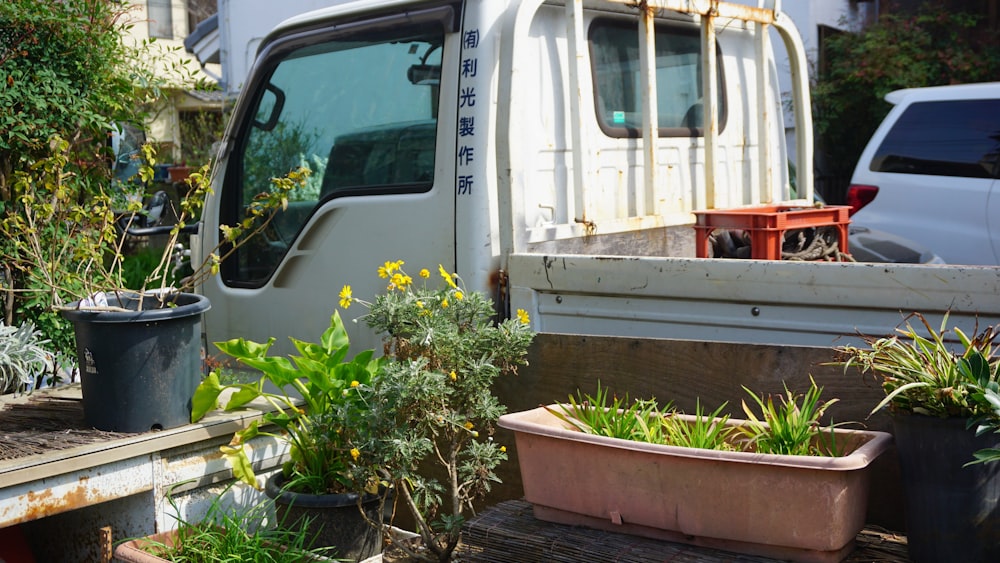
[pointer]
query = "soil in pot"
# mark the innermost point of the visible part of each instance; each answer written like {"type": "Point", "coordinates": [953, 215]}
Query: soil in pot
{"type": "Point", "coordinates": [336, 519]}
{"type": "Point", "coordinates": [952, 513]}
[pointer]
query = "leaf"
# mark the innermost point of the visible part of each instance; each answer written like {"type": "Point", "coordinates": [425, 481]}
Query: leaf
{"type": "Point", "coordinates": [206, 397]}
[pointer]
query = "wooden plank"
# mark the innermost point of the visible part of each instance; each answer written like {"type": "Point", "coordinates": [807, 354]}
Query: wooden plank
{"type": "Point", "coordinates": [509, 532]}
{"type": "Point", "coordinates": [50, 464]}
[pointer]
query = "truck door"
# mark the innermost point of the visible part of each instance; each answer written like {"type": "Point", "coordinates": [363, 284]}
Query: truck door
{"type": "Point", "coordinates": [357, 103]}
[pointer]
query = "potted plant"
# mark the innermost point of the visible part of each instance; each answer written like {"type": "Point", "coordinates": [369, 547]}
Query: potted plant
{"type": "Point", "coordinates": [318, 399]}
{"type": "Point", "coordinates": [776, 484]}
{"type": "Point", "coordinates": [224, 535]}
{"type": "Point", "coordinates": [432, 411]}
{"type": "Point", "coordinates": [138, 349]}
{"type": "Point", "coordinates": [943, 395]}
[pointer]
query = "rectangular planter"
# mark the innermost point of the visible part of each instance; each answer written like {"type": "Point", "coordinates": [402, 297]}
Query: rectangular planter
{"type": "Point", "coordinates": [132, 551]}
{"type": "Point", "coordinates": [801, 508]}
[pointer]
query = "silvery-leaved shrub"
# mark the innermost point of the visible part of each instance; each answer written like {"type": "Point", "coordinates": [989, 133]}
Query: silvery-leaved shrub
{"type": "Point", "coordinates": [432, 411]}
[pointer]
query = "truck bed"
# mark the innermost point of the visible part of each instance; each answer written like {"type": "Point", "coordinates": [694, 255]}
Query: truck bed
{"type": "Point", "coordinates": [638, 294]}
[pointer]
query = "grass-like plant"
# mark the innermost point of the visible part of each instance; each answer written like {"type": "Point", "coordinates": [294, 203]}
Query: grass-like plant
{"type": "Point", "coordinates": [791, 425]}
{"type": "Point", "coordinates": [613, 416]}
{"type": "Point", "coordinates": [236, 535]}
{"type": "Point", "coordinates": [708, 432]}
{"type": "Point", "coordinates": [932, 375]}
{"type": "Point", "coordinates": [788, 426]}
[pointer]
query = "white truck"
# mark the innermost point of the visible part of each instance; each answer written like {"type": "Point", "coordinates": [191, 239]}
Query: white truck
{"type": "Point", "coordinates": [551, 153]}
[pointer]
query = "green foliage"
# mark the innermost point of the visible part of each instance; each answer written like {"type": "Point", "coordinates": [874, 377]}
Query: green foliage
{"type": "Point", "coordinates": [236, 535]}
{"type": "Point", "coordinates": [432, 408]}
{"type": "Point", "coordinates": [68, 78]}
{"type": "Point", "coordinates": [621, 418]}
{"type": "Point", "coordinates": [708, 432]}
{"type": "Point", "coordinates": [928, 375]}
{"type": "Point", "coordinates": [64, 75]}
{"type": "Point", "coordinates": [933, 47]}
{"type": "Point", "coordinates": [319, 407]}
{"type": "Point", "coordinates": [790, 427]}
{"type": "Point", "coordinates": [23, 358]}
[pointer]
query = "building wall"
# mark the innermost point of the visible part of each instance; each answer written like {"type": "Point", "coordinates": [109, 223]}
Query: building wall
{"type": "Point", "coordinates": [169, 60]}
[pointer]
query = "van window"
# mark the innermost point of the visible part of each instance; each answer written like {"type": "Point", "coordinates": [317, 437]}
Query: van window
{"type": "Point", "coordinates": [946, 138]}
{"type": "Point", "coordinates": [360, 111]}
{"type": "Point", "coordinates": [614, 50]}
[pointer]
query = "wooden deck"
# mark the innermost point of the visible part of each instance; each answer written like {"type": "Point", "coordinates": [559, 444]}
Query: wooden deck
{"type": "Point", "coordinates": [508, 532]}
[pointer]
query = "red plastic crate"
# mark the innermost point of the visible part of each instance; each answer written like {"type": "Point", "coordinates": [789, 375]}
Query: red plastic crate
{"type": "Point", "coordinates": [767, 225]}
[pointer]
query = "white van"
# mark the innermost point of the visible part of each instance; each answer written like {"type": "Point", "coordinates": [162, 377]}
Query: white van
{"type": "Point", "coordinates": [929, 172]}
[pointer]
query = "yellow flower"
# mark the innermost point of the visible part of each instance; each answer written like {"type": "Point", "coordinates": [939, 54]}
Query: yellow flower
{"type": "Point", "coordinates": [503, 449]}
{"type": "Point", "coordinates": [424, 273]}
{"type": "Point", "coordinates": [401, 281]}
{"type": "Point", "coordinates": [345, 297]}
{"type": "Point", "coordinates": [468, 425]}
{"type": "Point", "coordinates": [522, 316]}
{"type": "Point", "coordinates": [355, 453]}
{"type": "Point", "coordinates": [446, 276]}
{"type": "Point", "coordinates": [459, 295]}
{"type": "Point", "coordinates": [453, 375]}
{"type": "Point", "coordinates": [444, 303]}
{"type": "Point", "coordinates": [388, 268]}
{"type": "Point", "coordinates": [420, 304]}
{"type": "Point", "coordinates": [355, 383]}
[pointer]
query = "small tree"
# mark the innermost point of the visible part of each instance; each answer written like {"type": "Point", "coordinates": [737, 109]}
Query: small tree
{"type": "Point", "coordinates": [932, 47]}
{"type": "Point", "coordinates": [431, 408]}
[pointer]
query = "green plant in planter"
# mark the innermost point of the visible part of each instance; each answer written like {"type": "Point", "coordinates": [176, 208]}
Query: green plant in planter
{"type": "Point", "coordinates": [24, 358]}
{"type": "Point", "coordinates": [927, 375]}
{"type": "Point", "coordinates": [234, 534]}
{"type": "Point", "coordinates": [790, 427]}
{"type": "Point", "coordinates": [319, 408]}
{"type": "Point", "coordinates": [618, 418]}
{"type": "Point", "coordinates": [62, 246]}
{"type": "Point", "coordinates": [432, 411]}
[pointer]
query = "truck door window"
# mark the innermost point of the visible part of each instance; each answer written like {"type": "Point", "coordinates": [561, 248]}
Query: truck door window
{"type": "Point", "coordinates": [614, 50]}
{"type": "Point", "coordinates": [359, 110]}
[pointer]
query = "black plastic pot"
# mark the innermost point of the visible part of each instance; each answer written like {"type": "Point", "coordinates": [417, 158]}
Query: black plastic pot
{"type": "Point", "coordinates": [336, 520]}
{"type": "Point", "coordinates": [139, 369]}
{"type": "Point", "coordinates": [952, 512]}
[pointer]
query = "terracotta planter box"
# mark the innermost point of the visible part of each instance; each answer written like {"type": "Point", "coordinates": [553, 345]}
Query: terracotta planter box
{"type": "Point", "coordinates": [801, 508]}
{"type": "Point", "coordinates": [132, 550]}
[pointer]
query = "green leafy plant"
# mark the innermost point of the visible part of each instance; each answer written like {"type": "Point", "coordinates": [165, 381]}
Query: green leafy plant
{"type": "Point", "coordinates": [703, 431]}
{"type": "Point", "coordinates": [319, 408]}
{"type": "Point", "coordinates": [639, 420]}
{"type": "Point", "coordinates": [66, 246]}
{"type": "Point", "coordinates": [236, 534]}
{"type": "Point", "coordinates": [432, 410]}
{"type": "Point", "coordinates": [931, 376]}
{"type": "Point", "coordinates": [791, 426]}
{"type": "Point", "coordinates": [24, 358]}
